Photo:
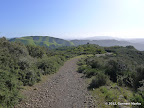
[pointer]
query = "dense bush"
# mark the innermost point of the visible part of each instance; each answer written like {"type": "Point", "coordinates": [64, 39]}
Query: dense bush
{"type": "Point", "coordinates": [124, 67]}
{"type": "Point", "coordinates": [138, 76]}
{"type": "Point", "coordinates": [9, 89]}
{"type": "Point", "coordinates": [90, 72]}
{"type": "Point", "coordinates": [115, 68]}
{"type": "Point", "coordinates": [138, 98]}
{"type": "Point", "coordinates": [36, 51]}
{"type": "Point", "coordinates": [51, 64]}
{"type": "Point", "coordinates": [99, 80]}
{"type": "Point", "coordinates": [31, 76]}
{"type": "Point", "coordinates": [22, 65]}
{"type": "Point", "coordinates": [82, 68]}
{"type": "Point", "coordinates": [94, 63]}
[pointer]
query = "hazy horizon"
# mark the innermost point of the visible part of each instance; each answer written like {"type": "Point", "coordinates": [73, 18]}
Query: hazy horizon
{"type": "Point", "coordinates": [72, 19]}
{"type": "Point", "coordinates": [84, 38]}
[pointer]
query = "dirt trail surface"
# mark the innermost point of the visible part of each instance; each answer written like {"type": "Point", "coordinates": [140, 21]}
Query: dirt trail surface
{"type": "Point", "coordinates": [65, 89]}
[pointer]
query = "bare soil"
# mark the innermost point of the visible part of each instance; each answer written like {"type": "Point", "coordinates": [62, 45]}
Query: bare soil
{"type": "Point", "coordinates": [64, 89]}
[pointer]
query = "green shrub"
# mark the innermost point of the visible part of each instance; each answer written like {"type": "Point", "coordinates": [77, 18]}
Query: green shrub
{"type": "Point", "coordinates": [23, 63]}
{"type": "Point", "coordinates": [138, 76]}
{"type": "Point", "coordinates": [94, 64]}
{"type": "Point", "coordinates": [50, 64]}
{"type": "Point", "coordinates": [104, 90]}
{"type": "Point", "coordinates": [81, 62]}
{"type": "Point", "coordinates": [110, 96]}
{"type": "Point", "coordinates": [90, 72]}
{"type": "Point", "coordinates": [99, 80]}
{"type": "Point", "coordinates": [138, 98]}
{"type": "Point", "coordinates": [114, 69]}
{"type": "Point", "coordinates": [82, 68]}
{"type": "Point", "coordinates": [36, 51]}
{"type": "Point", "coordinates": [9, 89]}
{"type": "Point", "coordinates": [120, 81]}
{"type": "Point", "coordinates": [31, 76]}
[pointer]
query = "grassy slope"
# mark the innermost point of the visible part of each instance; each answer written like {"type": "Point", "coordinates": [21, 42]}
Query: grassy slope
{"type": "Point", "coordinates": [110, 93]}
{"type": "Point", "coordinates": [47, 41]}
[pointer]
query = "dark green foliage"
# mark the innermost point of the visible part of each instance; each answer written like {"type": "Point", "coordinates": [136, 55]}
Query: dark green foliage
{"type": "Point", "coordinates": [82, 68]}
{"type": "Point", "coordinates": [125, 66]}
{"type": "Point", "coordinates": [130, 47]}
{"type": "Point", "coordinates": [138, 76]}
{"type": "Point", "coordinates": [22, 65]}
{"type": "Point", "coordinates": [114, 69]}
{"type": "Point", "coordinates": [129, 54]}
{"type": "Point", "coordinates": [87, 70]}
{"type": "Point", "coordinates": [9, 89]}
{"type": "Point", "coordinates": [99, 80]}
{"type": "Point", "coordinates": [36, 51]}
{"type": "Point", "coordinates": [47, 65]}
{"type": "Point", "coordinates": [50, 65]}
{"type": "Point", "coordinates": [90, 72]}
{"type": "Point", "coordinates": [94, 63]}
{"type": "Point", "coordinates": [133, 60]}
{"type": "Point", "coordinates": [31, 76]}
{"type": "Point", "coordinates": [141, 89]}
{"type": "Point", "coordinates": [92, 66]}
{"type": "Point", "coordinates": [138, 98]}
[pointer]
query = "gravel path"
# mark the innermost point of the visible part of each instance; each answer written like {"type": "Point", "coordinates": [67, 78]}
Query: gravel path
{"type": "Point", "coordinates": [65, 89]}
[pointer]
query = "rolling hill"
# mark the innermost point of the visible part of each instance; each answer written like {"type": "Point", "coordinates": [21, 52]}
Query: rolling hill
{"type": "Point", "coordinates": [52, 42]}
{"type": "Point", "coordinates": [47, 41]}
{"type": "Point", "coordinates": [108, 43]}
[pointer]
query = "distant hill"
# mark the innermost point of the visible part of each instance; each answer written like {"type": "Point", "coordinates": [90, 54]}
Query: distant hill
{"type": "Point", "coordinates": [99, 38]}
{"type": "Point", "coordinates": [52, 42]}
{"type": "Point", "coordinates": [108, 43]}
{"type": "Point", "coordinates": [136, 40]}
{"type": "Point", "coordinates": [47, 41]}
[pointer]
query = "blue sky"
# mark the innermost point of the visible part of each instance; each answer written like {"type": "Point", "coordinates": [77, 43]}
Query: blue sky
{"type": "Point", "coordinates": [72, 18]}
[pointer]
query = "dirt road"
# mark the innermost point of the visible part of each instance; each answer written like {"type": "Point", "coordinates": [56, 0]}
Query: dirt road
{"type": "Point", "coordinates": [65, 89]}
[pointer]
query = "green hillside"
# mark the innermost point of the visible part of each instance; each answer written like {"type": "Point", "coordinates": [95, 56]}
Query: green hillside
{"type": "Point", "coordinates": [46, 41]}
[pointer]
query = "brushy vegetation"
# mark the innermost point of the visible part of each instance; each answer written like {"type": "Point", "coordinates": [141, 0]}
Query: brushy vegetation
{"type": "Point", "coordinates": [122, 65]}
{"type": "Point", "coordinates": [80, 50]}
{"type": "Point", "coordinates": [23, 65]}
